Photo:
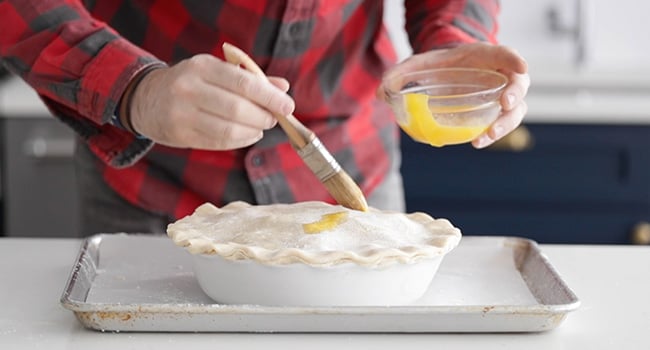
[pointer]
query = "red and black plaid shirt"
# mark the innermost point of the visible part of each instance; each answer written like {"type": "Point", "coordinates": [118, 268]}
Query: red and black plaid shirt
{"type": "Point", "coordinates": [81, 56]}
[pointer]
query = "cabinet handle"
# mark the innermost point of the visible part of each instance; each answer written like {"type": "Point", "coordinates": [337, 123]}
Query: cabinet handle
{"type": "Point", "coordinates": [45, 148]}
{"type": "Point", "coordinates": [518, 140]}
{"type": "Point", "coordinates": [641, 233]}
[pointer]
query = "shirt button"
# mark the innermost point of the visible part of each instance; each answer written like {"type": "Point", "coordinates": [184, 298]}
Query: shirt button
{"type": "Point", "coordinates": [257, 160]}
{"type": "Point", "coordinates": [294, 29]}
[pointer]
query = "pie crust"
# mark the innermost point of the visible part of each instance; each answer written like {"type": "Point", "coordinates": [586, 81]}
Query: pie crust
{"type": "Point", "coordinates": [313, 233]}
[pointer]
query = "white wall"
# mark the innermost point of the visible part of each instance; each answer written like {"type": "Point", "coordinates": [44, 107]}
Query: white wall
{"type": "Point", "coordinates": [394, 20]}
{"type": "Point", "coordinates": [617, 32]}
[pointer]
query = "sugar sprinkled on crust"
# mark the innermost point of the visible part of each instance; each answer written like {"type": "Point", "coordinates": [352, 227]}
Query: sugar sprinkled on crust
{"type": "Point", "coordinates": [274, 234]}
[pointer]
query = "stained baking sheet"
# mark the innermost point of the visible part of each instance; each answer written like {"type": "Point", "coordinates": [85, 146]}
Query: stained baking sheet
{"type": "Point", "coordinates": [145, 283]}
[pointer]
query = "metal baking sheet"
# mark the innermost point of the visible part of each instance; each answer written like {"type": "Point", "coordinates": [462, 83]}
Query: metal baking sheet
{"type": "Point", "coordinates": [145, 283]}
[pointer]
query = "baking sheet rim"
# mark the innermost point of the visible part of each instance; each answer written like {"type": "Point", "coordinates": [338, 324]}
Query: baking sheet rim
{"type": "Point", "coordinates": [533, 309]}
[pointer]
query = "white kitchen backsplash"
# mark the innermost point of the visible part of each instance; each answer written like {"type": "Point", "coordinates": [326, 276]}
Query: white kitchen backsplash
{"type": "Point", "coordinates": [615, 35]}
{"type": "Point", "coordinates": [394, 20]}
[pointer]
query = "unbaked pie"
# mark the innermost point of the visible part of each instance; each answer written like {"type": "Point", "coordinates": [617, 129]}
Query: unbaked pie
{"type": "Point", "coordinates": [313, 253]}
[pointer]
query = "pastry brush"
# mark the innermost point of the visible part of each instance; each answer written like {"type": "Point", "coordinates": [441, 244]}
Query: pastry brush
{"type": "Point", "coordinates": [317, 158]}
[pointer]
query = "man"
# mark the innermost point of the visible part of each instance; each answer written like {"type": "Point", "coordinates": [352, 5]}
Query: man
{"type": "Point", "coordinates": [168, 125]}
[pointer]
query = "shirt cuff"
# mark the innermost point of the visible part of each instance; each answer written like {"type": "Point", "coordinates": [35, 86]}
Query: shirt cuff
{"type": "Point", "coordinates": [121, 118]}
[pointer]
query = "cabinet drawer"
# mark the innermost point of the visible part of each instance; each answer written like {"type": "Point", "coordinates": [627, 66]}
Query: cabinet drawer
{"type": "Point", "coordinates": [545, 223]}
{"type": "Point", "coordinates": [577, 183]}
{"type": "Point", "coordinates": [584, 168]}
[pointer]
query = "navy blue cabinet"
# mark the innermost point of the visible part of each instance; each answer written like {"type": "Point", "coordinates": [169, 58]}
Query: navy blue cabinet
{"type": "Point", "coordinates": [574, 184]}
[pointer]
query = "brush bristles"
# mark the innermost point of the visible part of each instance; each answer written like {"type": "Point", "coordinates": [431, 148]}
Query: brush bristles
{"type": "Point", "coordinates": [346, 192]}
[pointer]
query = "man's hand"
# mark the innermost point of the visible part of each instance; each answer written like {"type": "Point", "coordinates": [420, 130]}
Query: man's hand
{"type": "Point", "coordinates": [206, 103]}
{"type": "Point", "coordinates": [486, 56]}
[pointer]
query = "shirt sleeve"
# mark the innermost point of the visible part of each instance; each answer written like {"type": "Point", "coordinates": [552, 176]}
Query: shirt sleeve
{"type": "Point", "coordinates": [432, 24]}
{"type": "Point", "coordinates": [79, 66]}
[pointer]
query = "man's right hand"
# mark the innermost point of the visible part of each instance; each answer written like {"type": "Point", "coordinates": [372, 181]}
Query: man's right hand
{"type": "Point", "coordinates": [206, 103]}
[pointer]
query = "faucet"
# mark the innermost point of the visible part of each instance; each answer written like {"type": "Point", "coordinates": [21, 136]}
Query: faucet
{"type": "Point", "coordinates": [576, 31]}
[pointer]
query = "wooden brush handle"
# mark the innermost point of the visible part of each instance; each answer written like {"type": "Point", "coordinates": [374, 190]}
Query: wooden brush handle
{"type": "Point", "coordinates": [338, 183]}
{"type": "Point", "coordinates": [298, 134]}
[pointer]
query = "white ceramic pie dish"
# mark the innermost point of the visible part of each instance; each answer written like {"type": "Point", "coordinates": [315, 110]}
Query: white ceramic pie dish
{"type": "Point", "coordinates": [263, 255]}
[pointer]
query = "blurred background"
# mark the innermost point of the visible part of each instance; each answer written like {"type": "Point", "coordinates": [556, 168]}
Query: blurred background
{"type": "Point", "coordinates": [576, 171]}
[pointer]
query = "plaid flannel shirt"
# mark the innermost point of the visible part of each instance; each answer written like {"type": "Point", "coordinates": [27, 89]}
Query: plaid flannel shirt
{"type": "Point", "coordinates": [80, 56]}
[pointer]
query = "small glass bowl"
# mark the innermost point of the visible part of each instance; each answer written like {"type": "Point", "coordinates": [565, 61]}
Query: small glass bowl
{"type": "Point", "coordinates": [447, 105]}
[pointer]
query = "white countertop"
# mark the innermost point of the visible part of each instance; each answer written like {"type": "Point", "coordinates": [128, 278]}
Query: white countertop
{"type": "Point", "coordinates": [564, 95]}
{"type": "Point", "coordinates": [612, 283]}
{"type": "Point", "coordinates": [588, 108]}
{"type": "Point", "coordinates": [19, 100]}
